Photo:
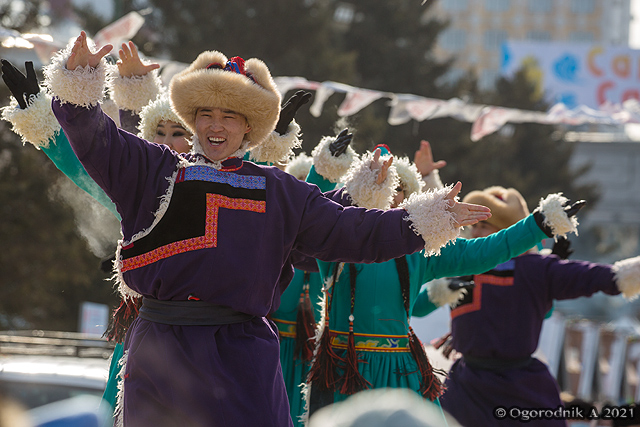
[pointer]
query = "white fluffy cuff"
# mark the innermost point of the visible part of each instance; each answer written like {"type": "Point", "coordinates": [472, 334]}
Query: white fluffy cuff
{"type": "Point", "coordinates": [627, 273]}
{"type": "Point", "coordinates": [299, 166]}
{"type": "Point", "coordinates": [133, 93]}
{"type": "Point", "coordinates": [432, 181]}
{"type": "Point", "coordinates": [360, 184]}
{"type": "Point", "coordinates": [440, 294]}
{"type": "Point", "coordinates": [278, 148]}
{"type": "Point", "coordinates": [555, 217]}
{"type": "Point", "coordinates": [330, 167]}
{"type": "Point", "coordinates": [431, 220]}
{"type": "Point", "coordinates": [35, 124]}
{"type": "Point", "coordinates": [84, 86]}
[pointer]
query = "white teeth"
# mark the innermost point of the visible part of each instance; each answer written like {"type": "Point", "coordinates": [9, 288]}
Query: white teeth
{"type": "Point", "coordinates": [213, 140]}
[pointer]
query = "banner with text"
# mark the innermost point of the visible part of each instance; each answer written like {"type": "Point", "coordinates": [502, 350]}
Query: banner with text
{"type": "Point", "coordinates": [577, 73]}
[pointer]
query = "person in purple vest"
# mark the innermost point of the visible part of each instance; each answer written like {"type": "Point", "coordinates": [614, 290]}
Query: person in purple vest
{"type": "Point", "coordinates": [207, 237]}
{"type": "Point", "coordinates": [496, 326]}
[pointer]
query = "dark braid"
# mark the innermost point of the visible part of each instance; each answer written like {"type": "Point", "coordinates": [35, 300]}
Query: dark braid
{"type": "Point", "coordinates": [305, 323]}
{"type": "Point", "coordinates": [353, 379]}
{"type": "Point", "coordinates": [430, 385]}
{"type": "Point", "coordinates": [323, 373]}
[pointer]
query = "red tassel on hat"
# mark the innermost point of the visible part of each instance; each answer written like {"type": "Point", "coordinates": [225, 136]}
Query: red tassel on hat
{"type": "Point", "coordinates": [235, 64]}
{"type": "Point", "coordinates": [305, 325]}
{"type": "Point", "coordinates": [122, 318]}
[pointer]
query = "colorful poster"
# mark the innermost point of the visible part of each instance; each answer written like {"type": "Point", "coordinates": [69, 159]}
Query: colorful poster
{"type": "Point", "coordinates": [577, 73]}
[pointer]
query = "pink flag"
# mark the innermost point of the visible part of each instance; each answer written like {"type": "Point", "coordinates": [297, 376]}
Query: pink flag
{"type": "Point", "coordinates": [119, 31]}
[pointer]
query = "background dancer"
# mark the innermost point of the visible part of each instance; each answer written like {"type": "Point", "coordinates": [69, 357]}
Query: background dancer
{"type": "Point", "coordinates": [365, 339]}
{"type": "Point", "coordinates": [497, 325]}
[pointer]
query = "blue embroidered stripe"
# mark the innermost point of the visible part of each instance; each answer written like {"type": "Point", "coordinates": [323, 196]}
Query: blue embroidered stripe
{"type": "Point", "coordinates": [205, 173]}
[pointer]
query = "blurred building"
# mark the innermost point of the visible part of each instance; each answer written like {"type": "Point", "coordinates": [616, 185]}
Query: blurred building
{"type": "Point", "coordinates": [478, 29]}
{"type": "Point", "coordinates": [610, 229]}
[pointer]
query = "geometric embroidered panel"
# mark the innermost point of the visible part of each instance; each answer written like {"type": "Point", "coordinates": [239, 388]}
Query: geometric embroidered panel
{"type": "Point", "coordinates": [473, 302]}
{"type": "Point", "coordinates": [210, 238]}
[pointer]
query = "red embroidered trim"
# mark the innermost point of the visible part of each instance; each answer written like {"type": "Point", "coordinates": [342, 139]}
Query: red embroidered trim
{"type": "Point", "coordinates": [210, 238]}
{"type": "Point", "coordinates": [490, 279]}
{"type": "Point", "coordinates": [474, 306]}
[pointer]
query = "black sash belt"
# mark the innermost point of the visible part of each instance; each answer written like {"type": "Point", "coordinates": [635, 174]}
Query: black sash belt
{"type": "Point", "coordinates": [491, 364]}
{"type": "Point", "coordinates": [189, 313]}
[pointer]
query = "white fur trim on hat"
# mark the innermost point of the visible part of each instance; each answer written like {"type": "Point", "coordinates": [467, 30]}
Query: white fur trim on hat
{"type": "Point", "coordinates": [35, 124]}
{"type": "Point", "coordinates": [155, 112]}
{"type": "Point", "coordinates": [360, 184]}
{"type": "Point", "coordinates": [432, 181]}
{"type": "Point", "coordinates": [133, 93]}
{"type": "Point", "coordinates": [555, 217]}
{"type": "Point", "coordinates": [431, 220]}
{"type": "Point", "coordinates": [330, 167]}
{"type": "Point", "coordinates": [627, 274]}
{"type": "Point", "coordinates": [277, 148]}
{"type": "Point", "coordinates": [410, 178]}
{"type": "Point", "coordinates": [440, 294]}
{"type": "Point", "coordinates": [299, 166]}
{"type": "Point", "coordinates": [199, 87]}
{"type": "Point", "coordinates": [84, 86]}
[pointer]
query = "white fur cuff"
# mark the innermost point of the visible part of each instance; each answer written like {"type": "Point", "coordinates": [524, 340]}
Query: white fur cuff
{"type": "Point", "coordinates": [627, 273]}
{"type": "Point", "coordinates": [133, 93]}
{"type": "Point", "coordinates": [360, 184]}
{"type": "Point", "coordinates": [440, 294]}
{"type": "Point", "coordinates": [555, 217]}
{"type": "Point", "coordinates": [278, 148]}
{"type": "Point", "coordinates": [35, 124]}
{"type": "Point", "coordinates": [84, 86]}
{"type": "Point", "coordinates": [299, 166]}
{"type": "Point", "coordinates": [431, 220]}
{"type": "Point", "coordinates": [330, 167]}
{"type": "Point", "coordinates": [432, 181]}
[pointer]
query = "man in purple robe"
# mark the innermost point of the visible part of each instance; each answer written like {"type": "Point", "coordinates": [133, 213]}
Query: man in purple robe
{"type": "Point", "coordinates": [207, 237]}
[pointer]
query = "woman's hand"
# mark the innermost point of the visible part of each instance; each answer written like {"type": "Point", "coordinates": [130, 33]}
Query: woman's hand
{"type": "Point", "coordinates": [382, 168]}
{"type": "Point", "coordinates": [466, 213]}
{"type": "Point", "coordinates": [130, 65]}
{"type": "Point", "coordinates": [81, 55]}
{"type": "Point", "coordinates": [423, 159]}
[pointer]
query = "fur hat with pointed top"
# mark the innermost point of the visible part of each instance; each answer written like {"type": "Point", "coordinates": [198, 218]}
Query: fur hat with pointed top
{"type": "Point", "coordinates": [507, 205]}
{"type": "Point", "coordinates": [245, 87]}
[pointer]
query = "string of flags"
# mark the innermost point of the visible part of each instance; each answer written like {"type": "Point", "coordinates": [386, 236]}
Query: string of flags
{"type": "Point", "coordinates": [485, 119]}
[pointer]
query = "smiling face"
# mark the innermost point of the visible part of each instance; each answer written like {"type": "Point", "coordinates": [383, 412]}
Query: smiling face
{"type": "Point", "coordinates": [220, 132]}
{"type": "Point", "coordinates": [173, 135]}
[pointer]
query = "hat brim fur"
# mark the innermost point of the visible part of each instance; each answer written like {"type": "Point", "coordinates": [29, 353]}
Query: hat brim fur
{"type": "Point", "coordinates": [198, 87]}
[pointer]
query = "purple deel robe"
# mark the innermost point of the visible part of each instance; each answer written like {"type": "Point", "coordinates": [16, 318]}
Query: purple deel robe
{"type": "Point", "coordinates": [501, 319]}
{"type": "Point", "coordinates": [225, 375]}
